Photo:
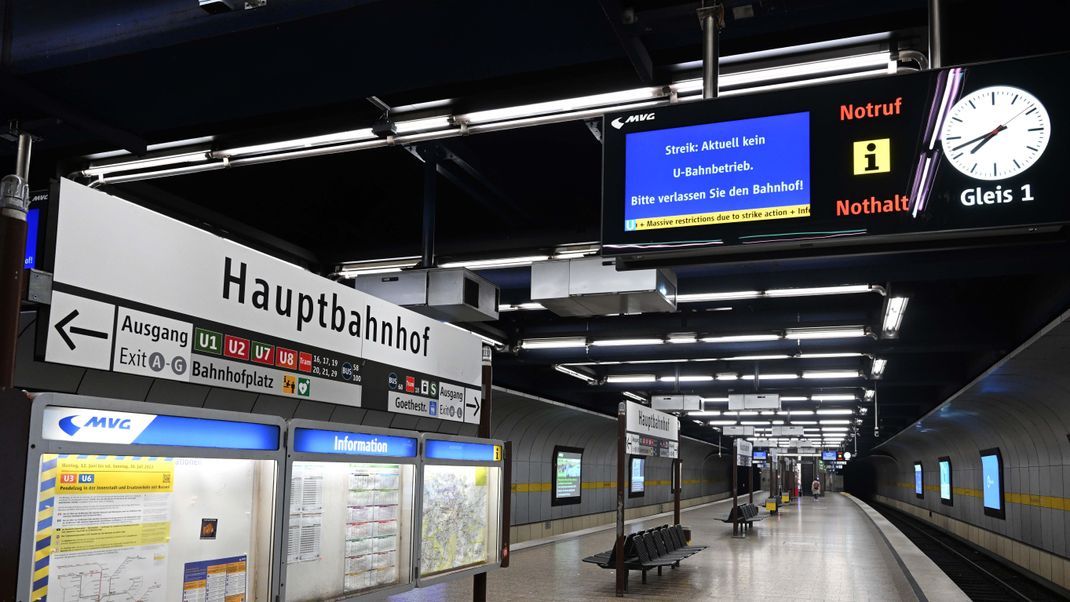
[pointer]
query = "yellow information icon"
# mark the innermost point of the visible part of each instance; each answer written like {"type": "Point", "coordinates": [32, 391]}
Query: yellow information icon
{"type": "Point", "coordinates": [872, 156]}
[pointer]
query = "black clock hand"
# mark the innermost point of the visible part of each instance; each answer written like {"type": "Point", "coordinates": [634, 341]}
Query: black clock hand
{"type": "Point", "coordinates": [987, 137]}
{"type": "Point", "coordinates": [969, 142]}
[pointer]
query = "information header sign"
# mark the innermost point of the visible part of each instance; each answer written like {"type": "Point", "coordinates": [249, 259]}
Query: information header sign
{"type": "Point", "coordinates": [140, 293]}
{"type": "Point", "coordinates": [651, 432]}
{"type": "Point", "coordinates": [322, 441]}
{"type": "Point", "coordinates": [87, 425]}
{"type": "Point", "coordinates": [922, 156]}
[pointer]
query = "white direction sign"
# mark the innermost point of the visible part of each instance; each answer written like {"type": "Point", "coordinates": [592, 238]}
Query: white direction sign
{"type": "Point", "coordinates": [141, 293]}
{"type": "Point", "coordinates": [744, 452]}
{"type": "Point", "coordinates": [650, 432]}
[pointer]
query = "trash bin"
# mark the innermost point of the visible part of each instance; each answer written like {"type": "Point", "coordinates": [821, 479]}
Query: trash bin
{"type": "Point", "coordinates": [687, 534]}
{"type": "Point", "coordinates": [771, 505]}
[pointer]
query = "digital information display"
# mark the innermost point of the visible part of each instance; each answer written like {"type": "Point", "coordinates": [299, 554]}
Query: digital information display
{"type": "Point", "coordinates": [919, 489]}
{"type": "Point", "coordinates": [761, 455]}
{"type": "Point", "coordinates": [735, 171]}
{"type": "Point", "coordinates": [945, 481]}
{"type": "Point", "coordinates": [828, 456]}
{"type": "Point", "coordinates": [920, 156]}
{"type": "Point", "coordinates": [636, 483]}
{"type": "Point", "coordinates": [568, 483]}
{"type": "Point", "coordinates": [992, 478]}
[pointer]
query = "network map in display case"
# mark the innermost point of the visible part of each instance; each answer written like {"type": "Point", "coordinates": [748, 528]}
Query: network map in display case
{"type": "Point", "coordinates": [460, 507]}
{"type": "Point", "coordinates": [140, 501]}
{"type": "Point", "coordinates": [351, 511]}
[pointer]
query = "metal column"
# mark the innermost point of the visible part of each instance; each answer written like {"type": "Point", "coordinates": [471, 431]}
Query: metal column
{"type": "Point", "coordinates": [936, 34]}
{"type": "Point", "coordinates": [479, 582]}
{"type": "Point", "coordinates": [14, 203]}
{"type": "Point", "coordinates": [712, 20]}
{"type": "Point", "coordinates": [430, 202]}
{"type": "Point", "coordinates": [622, 458]}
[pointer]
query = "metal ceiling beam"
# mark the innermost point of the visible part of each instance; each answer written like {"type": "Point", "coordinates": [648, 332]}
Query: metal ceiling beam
{"type": "Point", "coordinates": [42, 102]}
{"type": "Point", "coordinates": [623, 21]}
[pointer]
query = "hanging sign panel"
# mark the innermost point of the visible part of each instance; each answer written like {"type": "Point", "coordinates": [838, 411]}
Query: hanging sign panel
{"type": "Point", "coordinates": [973, 150]}
{"type": "Point", "coordinates": [650, 432]}
{"type": "Point", "coordinates": [140, 293]}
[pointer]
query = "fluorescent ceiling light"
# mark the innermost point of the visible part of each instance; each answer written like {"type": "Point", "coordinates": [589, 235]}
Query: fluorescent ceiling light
{"type": "Point", "coordinates": [768, 413]}
{"type": "Point", "coordinates": [761, 377]}
{"type": "Point", "coordinates": [294, 144]}
{"type": "Point", "coordinates": [180, 159]}
{"type": "Point", "coordinates": [833, 397]}
{"type": "Point", "coordinates": [870, 394]}
{"type": "Point", "coordinates": [694, 378]}
{"type": "Point", "coordinates": [893, 315]}
{"type": "Point", "coordinates": [835, 429]}
{"type": "Point", "coordinates": [633, 396]}
{"type": "Point", "coordinates": [801, 422]}
{"type": "Point", "coordinates": [801, 413]}
{"type": "Point", "coordinates": [705, 413]}
{"type": "Point", "coordinates": [815, 291]}
{"type": "Point", "coordinates": [835, 412]}
{"type": "Point", "coordinates": [730, 413]}
{"type": "Point", "coordinates": [815, 356]}
{"type": "Point", "coordinates": [500, 262]}
{"type": "Point", "coordinates": [529, 306]}
{"type": "Point", "coordinates": [825, 422]}
{"type": "Point", "coordinates": [755, 423]}
{"type": "Point", "coordinates": [834, 332]}
{"type": "Point", "coordinates": [639, 362]}
{"type": "Point", "coordinates": [352, 269]}
{"type": "Point", "coordinates": [831, 374]}
{"type": "Point", "coordinates": [632, 378]}
{"type": "Point", "coordinates": [727, 376]}
{"type": "Point", "coordinates": [758, 357]}
{"type": "Point", "coordinates": [410, 126]}
{"type": "Point", "coordinates": [576, 374]}
{"type": "Point", "coordinates": [554, 343]}
{"type": "Point", "coordinates": [794, 398]}
{"type": "Point", "coordinates": [729, 296]}
{"type": "Point", "coordinates": [625, 342]}
{"type": "Point", "coordinates": [876, 370]}
{"type": "Point", "coordinates": [564, 105]}
{"type": "Point", "coordinates": [778, 422]}
{"type": "Point", "coordinates": [722, 423]}
{"type": "Point", "coordinates": [682, 339]}
{"type": "Point", "coordinates": [742, 338]}
{"type": "Point", "coordinates": [748, 413]}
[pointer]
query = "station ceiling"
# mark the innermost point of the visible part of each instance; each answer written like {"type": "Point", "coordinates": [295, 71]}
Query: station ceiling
{"type": "Point", "coordinates": [90, 77]}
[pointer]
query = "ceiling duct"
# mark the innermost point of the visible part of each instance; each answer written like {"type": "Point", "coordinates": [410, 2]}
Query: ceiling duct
{"type": "Point", "coordinates": [592, 286]}
{"type": "Point", "coordinates": [453, 295]}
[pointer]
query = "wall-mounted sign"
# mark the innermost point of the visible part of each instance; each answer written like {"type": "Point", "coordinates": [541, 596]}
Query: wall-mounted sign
{"type": "Point", "coordinates": [744, 452]}
{"type": "Point", "coordinates": [140, 293]}
{"type": "Point", "coordinates": [927, 155]}
{"type": "Point", "coordinates": [650, 432]}
{"type": "Point", "coordinates": [321, 441]}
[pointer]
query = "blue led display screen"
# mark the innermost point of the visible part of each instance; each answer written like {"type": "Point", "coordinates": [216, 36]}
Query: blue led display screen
{"type": "Point", "coordinates": [761, 455]}
{"type": "Point", "coordinates": [33, 220]}
{"type": "Point", "coordinates": [918, 488]}
{"type": "Point", "coordinates": [945, 480]}
{"type": "Point", "coordinates": [993, 488]}
{"type": "Point", "coordinates": [718, 173]}
{"type": "Point", "coordinates": [438, 449]}
{"type": "Point", "coordinates": [828, 456]}
{"type": "Point", "coordinates": [318, 441]}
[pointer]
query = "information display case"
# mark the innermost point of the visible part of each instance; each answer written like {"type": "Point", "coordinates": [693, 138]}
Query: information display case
{"type": "Point", "coordinates": [349, 511]}
{"type": "Point", "coordinates": [460, 507]}
{"type": "Point", "coordinates": [158, 503]}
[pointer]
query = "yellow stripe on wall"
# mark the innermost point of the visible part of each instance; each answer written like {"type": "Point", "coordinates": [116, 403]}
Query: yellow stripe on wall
{"type": "Point", "coordinates": [539, 487]}
{"type": "Point", "coordinates": [1024, 499]}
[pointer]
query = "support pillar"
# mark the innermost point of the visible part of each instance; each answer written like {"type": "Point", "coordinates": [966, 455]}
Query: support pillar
{"type": "Point", "coordinates": [14, 204]}
{"type": "Point", "coordinates": [712, 20]}
{"type": "Point", "coordinates": [479, 582]}
{"type": "Point", "coordinates": [936, 34]}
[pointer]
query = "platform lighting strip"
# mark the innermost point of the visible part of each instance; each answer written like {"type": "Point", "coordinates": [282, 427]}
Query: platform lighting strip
{"type": "Point", "coordinates": [444, 126]}
{"type": "Point", "coordinates": [730, 358]}
{"type": "Point", "coordinates": [847, 289]}
{"type": "Point", "coordinates": [825, 332]}
{"type": "Point", "coordinates": [352, 269]}
{"type": "Point", "coordinates": [894, 309]}
{"type": "Point", "coordinates": [576, 374]}
{"type": "Point", "coordinates": [635, 397]}
{"type": "Point", "coordinates": [876, 370]}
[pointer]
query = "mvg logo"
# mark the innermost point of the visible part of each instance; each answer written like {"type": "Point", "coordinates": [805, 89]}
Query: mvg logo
{"type": "Point", "coordinates": [69, 426]}
{"type": "Point", "coordinates": [620, 121]}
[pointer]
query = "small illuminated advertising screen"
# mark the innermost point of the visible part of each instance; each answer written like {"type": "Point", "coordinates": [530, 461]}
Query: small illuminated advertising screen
{"type": "Point", "coordinates": [992, 481]}
{"type": "Point", "coordinates": [568, 483]}
{"type": "Point", "coordinates": [636, 482]}
{"type": "Point", "coordinates": [828, 456]}
{"type": "Point", "coordinates": [945, 481]}
{"type": "Point", "coordinates": [919, 485]}
{"type": "Point", "coordinates": [761, 454]}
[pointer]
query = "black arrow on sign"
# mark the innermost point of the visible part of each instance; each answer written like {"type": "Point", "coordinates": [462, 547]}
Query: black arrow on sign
{"type": "Point", "coordinates": [473, 405]}
{"type": "Point", "coordinates": [96, 334]}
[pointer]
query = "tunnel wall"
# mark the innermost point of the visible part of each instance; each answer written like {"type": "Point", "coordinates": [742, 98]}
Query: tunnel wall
{"type": "Point", "coordinates": [534, 425]}
{"type": "Point", "coordinates": [1022, 407]}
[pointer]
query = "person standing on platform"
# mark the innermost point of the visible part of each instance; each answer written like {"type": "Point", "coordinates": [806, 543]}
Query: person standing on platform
{"type": "Point", "coordinates": [815, 488]}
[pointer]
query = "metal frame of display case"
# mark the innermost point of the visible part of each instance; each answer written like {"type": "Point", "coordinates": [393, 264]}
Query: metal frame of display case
{"type": "Point", "coordinates": [496, 498]}
{"type": "Point", "coordinates": [415, 461]}
{"type": "Point", "coordinates": [39, 446]}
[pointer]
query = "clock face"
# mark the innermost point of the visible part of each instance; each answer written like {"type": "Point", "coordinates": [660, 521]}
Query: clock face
{"type": "Point", "coordinates": [995, 133]}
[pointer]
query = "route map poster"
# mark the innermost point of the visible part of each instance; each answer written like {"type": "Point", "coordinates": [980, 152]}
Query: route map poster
{"type": "Point", "coordinates": [456, 518]}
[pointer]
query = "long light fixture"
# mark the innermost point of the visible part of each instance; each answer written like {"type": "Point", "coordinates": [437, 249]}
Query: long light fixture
{"type": "Point", "coordinates": [831, 332]}
{"type": "Point", "coordinates": [815, 356]}
{"type": "Point", "coordinates": [697, 378]}
{"type": "Point", "coordinates": [823, 374]}
{"type": "Point", "coordinates": [847, 289]}
{"type": "Point", "coordinates": [682, 339]}
{"type": "Point", "coordinates": [631, 378]}
{"type": "Point", "coordinates": [894, 309]}
{"type": "Point", "coordinates": [626, 342]}
{"type": "Point", "coordinates": [794, 398]}
{"type": "Point", "coordinates": [722, 423]}
{"type": "Point", "coordinates": [758, 357]}
{"type": "Point", "coordinates": [774, 376]}
{"type": "Point", "coordinates": [865, 64]}
{"type": "Point", "coordinates": [742, 338]}
{"type": "Point", "coordinates": [876, 370]}
{"type": "Point", "coordinates": [352, 269]}
{"type": "Point", "coordinates": [833, 397]}
{"type": "Point", "coordinates": [835, 412]}
{"type": "Point", "coordinates": [834, 422]}
{"type": "Point", "coordinates": [529, 306]}
{"type": "Point", "coordinates": [634, 396]}
{"type": "Point", "coordinates": [498, 262]}
{"type": "Point", "coordinates": [576, 374]}
{"type": "Point", "coordinates": [554, 343]}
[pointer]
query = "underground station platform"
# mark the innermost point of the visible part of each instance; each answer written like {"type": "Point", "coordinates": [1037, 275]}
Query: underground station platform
{"type": "Point", "coordinates": [564, 300]}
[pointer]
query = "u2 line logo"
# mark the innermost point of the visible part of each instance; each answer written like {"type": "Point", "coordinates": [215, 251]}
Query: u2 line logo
{"type": "Point", "coordinates": [619, 122]}
{"type": "Point", "coordinates": [67, 424]}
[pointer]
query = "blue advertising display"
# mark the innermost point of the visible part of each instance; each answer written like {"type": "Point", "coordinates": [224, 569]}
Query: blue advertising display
{"type": "Point", "coordinates": [761, 455]}
{"type": "Point", "coordinates": [828, 456]}
{"type": "Point", "coordinates": [918, 489]}
{"type": "Point", "coordinates": [993, 489]}
{"type": "Point", "coordinates": [33, 219]}
{"type": "Point", "coordinates": [729, 172]}
{"type": "Point", "coordinates": [319, 441]}
{"type": "Point", "coordinates": [945, 480]}
{"type": "Point", "coordinates": [438, 449]}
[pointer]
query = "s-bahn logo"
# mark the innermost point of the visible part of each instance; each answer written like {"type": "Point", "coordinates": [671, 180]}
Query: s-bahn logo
{"type": "Point", "coordinates": [619, 122]}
